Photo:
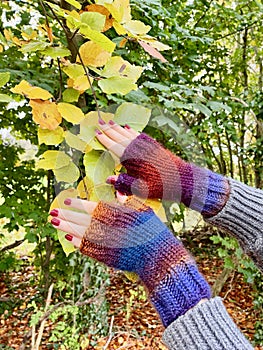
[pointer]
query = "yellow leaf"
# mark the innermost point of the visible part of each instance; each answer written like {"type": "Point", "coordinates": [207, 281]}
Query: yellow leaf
{"type": "Point", "coordinates": [94, 20]}
{"type": "Point", "coordinates": [136, 27]}
{"type": "Point", "coordinates": [68, 173]}
{"type": "Point", "coordinates": [82, 83]}
{"type": "Point", "coordinates": [120, 10]}
{"type": "Point", "coordinates": [75, 142]}
{"type": "Point", "coordinates": [70, 112]}
{"type": "Point", "coordinates": [132, 276]}
{"type": "Point", "coordinates": [29, 34]}
{"type": "Point", "coordinates": [46, 114]}
{"type": "Point", "coordinates": [31, 92]}
{"type": "Point", "coordinates": [85, 187]}
{"type": "Point", "coordinates": [50, 137]}
{"type": "Point", "coordinates": [119, 28]}
{"type": "Point", "coordinates": [1, 48]}
{"type": "Point", "coordinates": [92, 118]}
{"type": "Point", "coordinates": [53, 160]}
{"type": "Point", "coordinates": [118, 67]}
{"type": "Point", "coordinates": [92, 54]}
{"type": "Point", "coordinates": [8, 34]}
{"type": "Point", "coordinates": [157, 207]}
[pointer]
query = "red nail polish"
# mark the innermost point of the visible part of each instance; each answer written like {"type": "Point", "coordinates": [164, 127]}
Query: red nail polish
{"type": "Point", "coordinates": [127, 126]}
{"type": "Point", "coordinates": [67, 201]}
{"type": "Point", "coordinates": [69, 237]}
{"type": "Point", "coordinates": [54, 212]}
{"type": "Point", "coordinates": [101, 122]}
{"type": "Point", "coordinates": [111, 122]}
{"type": "Point", "coordinates": [98, 132]}
{"type": "Point", "coordinates": [110, 180]}
{"type": "Point", "coordinates": [55, 222]}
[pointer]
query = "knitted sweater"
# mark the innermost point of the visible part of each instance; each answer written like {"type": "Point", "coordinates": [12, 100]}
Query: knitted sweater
{"type": "Point", "coordinates": [208, 326]}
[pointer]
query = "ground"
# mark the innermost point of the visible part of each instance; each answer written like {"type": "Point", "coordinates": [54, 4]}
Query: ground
{"type": "Point", "coordinates": [135, 323]}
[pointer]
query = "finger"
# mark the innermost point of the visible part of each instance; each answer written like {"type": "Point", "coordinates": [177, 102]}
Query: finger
{"type": "Point", "coordinates": [69, 227]}
{"type": "Point", "coordinates": [81, 204]}
{"type": "Point", "coordinates": [111, 145]}
{"type": "Point", "coordinates": [122, 198]}
{"type": "Point", "coordinates": [116, 136]}
{"type": "Point", "coordinates": [82, 219]}
{"type": "Point", "coordinates": [131, 131]}
{"type": "Point", "coordinates": [121, 130]}
{"type": "Point", "coordinates": [74, 240]}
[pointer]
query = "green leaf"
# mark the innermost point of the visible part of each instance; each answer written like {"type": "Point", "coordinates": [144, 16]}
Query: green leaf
{"type": "Point", "coordinates": [55, 52]}
{"type": "Point", "coordinates": [4, 78]}
{"type": "Point", "coordinates": [135, 115]}
{"type": "Point", "coordinates": [5, 98]}
{"type": "Point", "coordinates": [202, 108]}
{"type": "Point", "coordinates": [74, 3]}
{"type": "Point", "coordinates": [53, 160]}
{"type": "Point", "coordinates": [69, 173]}
{"type": "Point", "coordinates": [95, 20]}
{"type": "Point", "coordinates": [98, 167]}
{"type": "Point", "coordinates": [117, 85]}
{"type": "Point", "coordinates": [97, 37]}
{"type": "Point", "coordinates": [70, 95]}
{"type": "Point", "coordinates": [74, 141]}
{"type": "Point", "coordinates": [74, 70]}
{"type": "Point", "coordinates": [66, 245]}
{"type": "Point", "coordinates": [34, 46]}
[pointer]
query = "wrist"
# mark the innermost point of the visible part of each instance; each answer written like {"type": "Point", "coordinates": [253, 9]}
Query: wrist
{"type": "Point", "coordinates": [172, 279]}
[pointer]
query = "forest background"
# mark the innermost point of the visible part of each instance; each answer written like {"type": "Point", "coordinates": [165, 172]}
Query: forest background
{"type": "Point", "coordinates": [190, 74]}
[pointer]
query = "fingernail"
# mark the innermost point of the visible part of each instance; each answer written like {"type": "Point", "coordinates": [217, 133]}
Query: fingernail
{"type": "Point", "coordinates": [101, 122]}
{"type": "Point", "coordinates": [111, 180]}
{"type": "Point", "coordinates": [111, 122]}
{"type": "Point", "coordinates": [54, 212]}
{"type": "Point", "coordinates": [127, 126]}
{"type": "Point", "coordinates": [69, 237]}
{"type": "Point", "coordinates": [67, 201]}
{"type": "Point", "coordinates": [55, 222]}
{"type": "Point", "coordinates": [98, 132]}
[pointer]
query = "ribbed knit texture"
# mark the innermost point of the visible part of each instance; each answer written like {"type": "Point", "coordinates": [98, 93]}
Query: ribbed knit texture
{"type": "Point", "coordinates": [242, 216]}
{"type": "Point", "coordinates": [207, 326]}
{"type": "Point", "coordinates": [131, 237]}
{"type": "Point", "coordinates": [154, 172]}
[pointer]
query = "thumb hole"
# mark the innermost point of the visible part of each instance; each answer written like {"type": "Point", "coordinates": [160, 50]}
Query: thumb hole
{"type": "Point", "coordinates": [122, 198]}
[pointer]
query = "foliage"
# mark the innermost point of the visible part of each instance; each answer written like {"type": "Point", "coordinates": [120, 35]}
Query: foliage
{"type": "Point", "coordinates": [65, 64]}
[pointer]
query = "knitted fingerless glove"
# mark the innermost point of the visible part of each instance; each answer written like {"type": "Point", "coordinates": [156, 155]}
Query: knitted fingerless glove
{"type": "Point", "coordinates": [131, 237]}
{"type": "Point", "coordinates": [154, 172]}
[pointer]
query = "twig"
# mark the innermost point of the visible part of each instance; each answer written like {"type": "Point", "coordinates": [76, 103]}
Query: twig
{"type": "Point", "coordinates": [81, 61]}
{"type": "Point", "coordinates": [110, 334]}
{"type": "Point", "coordinates": [42, 325]}
{"type": "Point", "coordinates": [12, 245]}
{"type": "Point", "coordinates": [231, 286]}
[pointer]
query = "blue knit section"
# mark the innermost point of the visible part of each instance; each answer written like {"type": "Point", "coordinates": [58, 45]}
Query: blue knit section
{"type": "Point", "coordinates": [179, 291]}
{"type": "Point", "coordinates": [217, 193]}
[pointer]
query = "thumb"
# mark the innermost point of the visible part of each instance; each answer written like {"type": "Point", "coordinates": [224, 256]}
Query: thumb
{"type": "Point", "coordinates": [129, 185]}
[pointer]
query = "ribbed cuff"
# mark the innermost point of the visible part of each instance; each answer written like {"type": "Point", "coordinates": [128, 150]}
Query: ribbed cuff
{"type": "Point", "coordinates": [242, 216]}
{"type": "Point", "coordinates": [207, 326]}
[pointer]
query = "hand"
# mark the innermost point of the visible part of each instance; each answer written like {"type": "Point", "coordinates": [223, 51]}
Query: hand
{"type": "Point", "coordinates": [155, 172]}
{"type": "Point", "coordinates": [130, 237]}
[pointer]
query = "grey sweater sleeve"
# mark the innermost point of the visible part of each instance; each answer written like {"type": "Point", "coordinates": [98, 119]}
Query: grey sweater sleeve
{"type": "Point", "coordinates": [207, 326]}
{"type": "Point", "coordinates": [242, 217]}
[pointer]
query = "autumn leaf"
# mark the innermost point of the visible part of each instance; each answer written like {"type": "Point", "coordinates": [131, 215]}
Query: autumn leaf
{"type": "Point", "coordinates": [117, 85]}
{"type": "Point", "coordinates": [46, 114]}
{"type": "Point", "coordinates": [120, 10]}
{"type": "Point", "coordinates": [101, 9]}
{"type": "Point", "coordinates": [31, 92]}
{"type": "Point", "coordinates": [50, 137]}
{"type": "Point", "coordinates": [4, 78]}
{"type": "Point", "coordinates": [135, 115]}
{"type": "Point", "coordinates": [117, 66]}
{"type": "Point", "coordinates": [75, 142]}
{"type": "Point", "coordinates": [70, 112]}
{"type": "Point", "coordinates": [93, 54]}
{"type": "Point", "coordinates": [69, 173]}
{"type": "Point", "coordinates": [53, 160]}
{"type": "Point", "coordinates": [152, 51]}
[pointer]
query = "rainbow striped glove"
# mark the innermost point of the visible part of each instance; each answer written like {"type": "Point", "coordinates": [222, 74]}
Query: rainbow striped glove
{"type": "Point", "coordinates": [154, 172]}
{"type": "Point", "coordinates": [131, 237]}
